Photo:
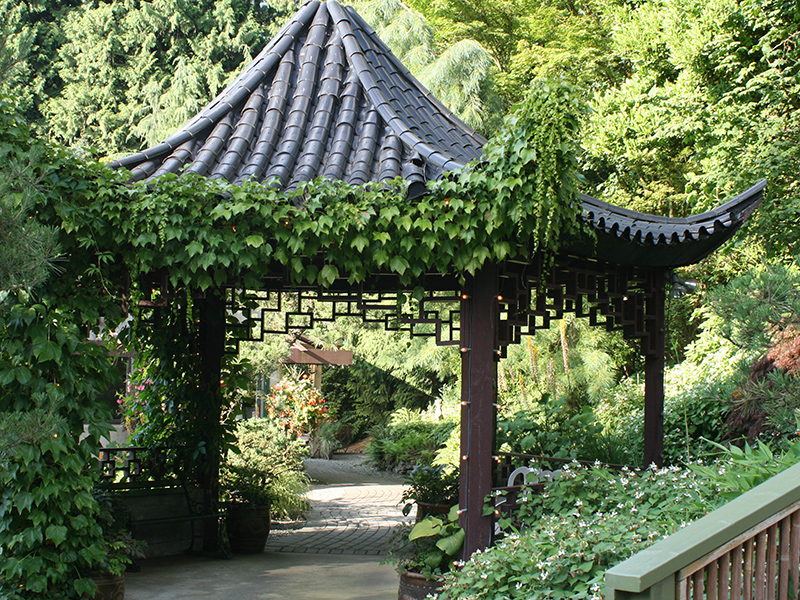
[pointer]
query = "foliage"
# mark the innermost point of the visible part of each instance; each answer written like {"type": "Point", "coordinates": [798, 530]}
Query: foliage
{"type": "Point", "coordinates": [431, 485]}
{"type": "Point", "coordinates": [550, 428]}
{"type": "Point", "coordinates": [297, 404]}
{"type": "Point", "coordinates": [174, 401]}
{"type": "Point", "coordinates": [586, 520]}
{"type": "Point", "coordinates": [570, 359]}
{"type": "Point", "coordinates": [50, 377]}
{"type": "Point", "coordinates": [330, 437]}
{"type": "Point", "coordinates": [527, 39]}
{"type": "Point", "coordinates": [120, 548]}
{"type": "Point", "coordinates": [429, 547]}
{"type": "Point", "coordinates": [759, 314]}
{"type": "Point", "coordinates": [736, 470]}
{"type": "Point", "coordinates": [704, 112]}
{"type": "Point", "coordinates": [50, 539]}
{"type": "Point", "coordinates": [390, 371]}
{"type": "Point", "coordinates": [266, 468]}
{"type": "Point", "coordinates": [410, 438]}
{"type": "Point", "coordinates": [134, 72]}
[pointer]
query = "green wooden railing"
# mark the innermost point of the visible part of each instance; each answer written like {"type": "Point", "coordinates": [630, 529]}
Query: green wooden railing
{"type": "Point", "coordinates": [748, 549]}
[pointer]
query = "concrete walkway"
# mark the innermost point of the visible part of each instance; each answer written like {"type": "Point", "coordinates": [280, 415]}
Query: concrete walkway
{"type": "Point", "coordinates": [335, 556]}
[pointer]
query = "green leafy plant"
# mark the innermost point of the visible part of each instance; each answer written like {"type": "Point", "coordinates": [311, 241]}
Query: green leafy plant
{"type": "Point", "coordinates": [50, 538]}
{"type": "Point", "coordinates": [736, 470]}
{"type": "Point", "coordinates": [429, 547]}
{"type": "Point", "coordinates": [430, 485]}
{"type": "Point", "coordinates": [585, 521]}
{"type": "Point", "coordinates": [120, 547]}
{"type": "Point", "coordinates": [409, 439]}
{"type": "Point", "coordinates": [328, 438]}
{"type": "Point", "coordinates": [266, 468]}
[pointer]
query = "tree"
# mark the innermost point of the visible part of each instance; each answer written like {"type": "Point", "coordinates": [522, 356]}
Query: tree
{"type": "Point", "coordinates": [708, 109]}
{"type": "Point", "coordinates": [134, 71]}
{"type": "Point", "coordinates": [530, 38]}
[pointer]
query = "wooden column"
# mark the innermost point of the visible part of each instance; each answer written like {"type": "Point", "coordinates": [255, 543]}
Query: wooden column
{"type": "Point", "coordinates": [479, 321]}
{"type": "Point", "coordinates": [211, 340]}
{"type": "Point", "coordinates": [654, 375]}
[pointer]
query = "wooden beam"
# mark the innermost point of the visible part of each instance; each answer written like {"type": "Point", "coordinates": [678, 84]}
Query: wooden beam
{"type": "Point", "coordinates": [479, 324]}
{"type": "Point", "coordinates": [654, 374]}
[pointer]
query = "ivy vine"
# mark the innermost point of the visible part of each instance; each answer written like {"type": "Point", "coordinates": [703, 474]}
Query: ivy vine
{"type": "Point", "coordinates": [209, 233]}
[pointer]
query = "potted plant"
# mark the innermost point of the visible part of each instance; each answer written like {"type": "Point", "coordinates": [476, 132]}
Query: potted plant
{"type": "Point", "coordinates": [422, 554]}
{"type": "Point", "coordinates": [432, 489]}
{"type": "Point", "coordinates": [247, 476]}
{"type": "Point", "coordinates": [120, 549]}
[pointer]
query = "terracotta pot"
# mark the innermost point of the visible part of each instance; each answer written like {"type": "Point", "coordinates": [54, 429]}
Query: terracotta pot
{"type": "Point", "coordinates": [414, 586]}
{"type": "Point", "coordinates": [248, 527]}
{"type": "Point", "coordinates": [425, 509]}
{"type": "Point", "coordinates": [110, 587]}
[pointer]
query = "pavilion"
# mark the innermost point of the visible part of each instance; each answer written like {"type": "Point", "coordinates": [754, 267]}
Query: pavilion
{"type": "Point", "coordinates": [326, 98]}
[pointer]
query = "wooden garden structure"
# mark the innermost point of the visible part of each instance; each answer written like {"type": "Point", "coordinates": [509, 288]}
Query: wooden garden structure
{"type": "Point", "coordinates": [326, 98]}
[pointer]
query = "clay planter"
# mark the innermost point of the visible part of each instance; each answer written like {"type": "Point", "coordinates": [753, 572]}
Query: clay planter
{"type": "Point", "coordinates": [426, 509]}
{"type": "Point", "coordinates": [248, 527]}
{"type": "Point", "coordinates": [110, 587]}
{"type": "Point", "coordinates": [414, 586]}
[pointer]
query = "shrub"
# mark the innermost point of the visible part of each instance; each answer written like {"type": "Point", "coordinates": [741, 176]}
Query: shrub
{"type": "Point", "coordinates": [586, 521]}
{"type": "Point", "coordinates": [410, 438]}
{"type": "Point", "coordinates": [266, 465]}
{"type": "Point", "coordinates": [550, 428]}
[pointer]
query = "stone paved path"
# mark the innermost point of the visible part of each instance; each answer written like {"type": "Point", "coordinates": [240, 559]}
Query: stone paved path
{"type": "Point", "coordinates": [353, 510]}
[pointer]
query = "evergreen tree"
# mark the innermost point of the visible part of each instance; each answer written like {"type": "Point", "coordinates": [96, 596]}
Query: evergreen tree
{"type": "Point", "coordinates": [135, 71]}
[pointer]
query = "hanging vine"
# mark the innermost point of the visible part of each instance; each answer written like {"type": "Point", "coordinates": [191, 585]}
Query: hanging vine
{"type": "Point", "coordinates": [520, 199]}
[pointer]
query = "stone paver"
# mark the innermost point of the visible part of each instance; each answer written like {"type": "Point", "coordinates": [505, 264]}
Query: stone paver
{"type": "Point", "coordinates": [353, 511]}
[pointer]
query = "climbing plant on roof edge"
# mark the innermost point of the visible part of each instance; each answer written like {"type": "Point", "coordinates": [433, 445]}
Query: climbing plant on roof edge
{"type": "Point", "coordinates": [207, 232]}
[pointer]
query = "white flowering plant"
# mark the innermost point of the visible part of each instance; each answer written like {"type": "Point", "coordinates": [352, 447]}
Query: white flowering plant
{"type": "Point", "coordinates": [585, 521]}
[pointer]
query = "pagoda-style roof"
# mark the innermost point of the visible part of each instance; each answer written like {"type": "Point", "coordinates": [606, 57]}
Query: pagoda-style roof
{"type": "Point", "coordinates": [327, 98]}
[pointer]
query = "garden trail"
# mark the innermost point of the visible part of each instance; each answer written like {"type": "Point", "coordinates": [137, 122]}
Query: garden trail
{"type": "Point", "coordinates": [334, 555]}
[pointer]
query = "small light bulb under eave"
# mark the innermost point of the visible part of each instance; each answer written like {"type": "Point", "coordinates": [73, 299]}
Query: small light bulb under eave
{"type": "Point", "coordinates": [465, 457]}
{"type": "Point", "coordinates": [463, 350]}
{"type": "Point", "coordinates": [499, 298]}
{"type": "Point", "coordinates": [465, 296]}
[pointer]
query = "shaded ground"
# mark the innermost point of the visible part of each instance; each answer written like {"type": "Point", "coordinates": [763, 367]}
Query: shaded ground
{"type": "Point", "coordinates": [335, 556]}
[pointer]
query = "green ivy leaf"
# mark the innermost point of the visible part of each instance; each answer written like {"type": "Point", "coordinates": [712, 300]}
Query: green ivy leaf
{"type": "Point", "coordinates": [254, 240]}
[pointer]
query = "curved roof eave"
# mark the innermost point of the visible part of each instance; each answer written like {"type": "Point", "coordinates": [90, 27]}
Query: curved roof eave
{"type": "Point", "coordinates": [628, 237]}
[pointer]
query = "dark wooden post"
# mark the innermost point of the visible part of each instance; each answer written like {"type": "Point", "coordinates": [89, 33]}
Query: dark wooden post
{"type": "Point", "coordinates": [654, 374]}
{"type": "Point", "coordinates": [479, 316]}
{"type": "Point", "coordinates": [212, 316]}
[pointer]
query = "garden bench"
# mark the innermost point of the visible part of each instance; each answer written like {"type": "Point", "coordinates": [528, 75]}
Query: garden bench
{"type": "Point", "coordinates": [163, 508]}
